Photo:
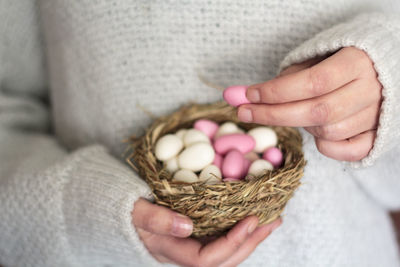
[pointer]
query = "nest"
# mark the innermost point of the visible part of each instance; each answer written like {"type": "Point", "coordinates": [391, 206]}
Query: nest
{"type": "Point", "coordinates": [215, 208]}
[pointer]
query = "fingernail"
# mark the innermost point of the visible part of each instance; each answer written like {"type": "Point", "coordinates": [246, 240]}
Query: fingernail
{"type": "Point", "coordinates": [245, 115]}
{"type": "Point", "coordinates": [253, 95]}
{"type": "Point", "coordinates": [181, 226]}
{"type": "Point", "coordinates": [252, 227]}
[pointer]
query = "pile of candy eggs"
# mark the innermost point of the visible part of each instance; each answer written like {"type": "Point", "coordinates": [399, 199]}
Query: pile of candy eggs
{"type": "Point", "coordinates": [213, 153]}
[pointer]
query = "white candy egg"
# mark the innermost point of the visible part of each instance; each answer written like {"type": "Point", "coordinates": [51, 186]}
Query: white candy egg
{"type": "Point", "coordinates": [186, 176]}
{"type": "Point", "coordinates": [265, 137]}
{"type": "Point", "coordinates": [171, 165]}
{"type": "Point", "coordinates": [227, 128]}
{"type": "Point", "coordinates": [181, 133]}
{"type": "Point", "coordinates": [168, 147]}
{"type": "Point", "coordinates": [196, 157]}
{"type": "Point", "coordinates": [259, 166]}
{"type": "Point", "coordinates": [210, 174]}
{"type": "Point", "coordinates": [194, 136]}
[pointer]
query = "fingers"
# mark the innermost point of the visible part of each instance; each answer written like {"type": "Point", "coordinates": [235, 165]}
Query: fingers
{"type": "Point", "coordinates": [259, 235]}
{"type": "Point", "coordinates": [362, 121]}
{"type": "Point", "coordinates": [353, 149]}
{"type": "Point", "coordinates": [322, 110]}
{"type": "Point", "coordinates": [181, 251]}
{"type": "Point", "coordinates": [160, 220]}
{"type": "Point", "coordinates": [189, 252]}
{"type": "Point", "coordinates": [229, 244]}
{"type": "Point", "coordinates": [330, 74]}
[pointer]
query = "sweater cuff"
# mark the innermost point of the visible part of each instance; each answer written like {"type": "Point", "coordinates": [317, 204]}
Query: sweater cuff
{"type": "Point", "coordinates": [379, 36]}
{"type": "Point", "coordinates": [98, 201]}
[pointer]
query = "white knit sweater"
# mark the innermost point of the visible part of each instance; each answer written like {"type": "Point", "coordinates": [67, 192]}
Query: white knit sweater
{"type": "Point", "coordinates": [65, 194]}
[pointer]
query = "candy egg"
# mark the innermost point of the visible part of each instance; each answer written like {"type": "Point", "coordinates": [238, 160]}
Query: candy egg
{"type": "Point", "coordinates": [194, 136]}
{"type": "Point", "coordinates": [252, 156]}
{"type": "Point", "coordinates": [196, 157]}
{"type": "Point", "coordinates": [265, 137]}
{"type": "Point", "coordinates": [226, 128]}
{"type": "Point", "coordinates": [181, 133]}
{"type": "Point", "coordinates": [218, 160]}
{"type": "Point", "coordinates": [211, 174]}
{"type": "Point", "coordinates": [242, 142]}
{"type": "Point", "coordinates": [171, 165]}
{"type": "Point", "coordinates": [233, 164]}
{"type": "Point", "coordinates": [186, 176]}
{"type": "Point", "coordinates": [236, 95]}
{"type": "Point", "coordinates": [168, 147]}
{"type": "Point", "coordinates": [273, 155]}
{"type": "Point", "coordinates": [208, 127]}
{"type": "Point", "coordinates": [259, 166]}
{"type": "Point", "coordinates": [246, 166]}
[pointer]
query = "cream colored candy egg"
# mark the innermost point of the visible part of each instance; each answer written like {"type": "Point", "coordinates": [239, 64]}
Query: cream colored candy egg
{"type": "Point", "coordinates": [259, 167]}
{"type": "Point", "coordinates": [211, 174]}
{"type": "Point", "coordinates": [196, 157]}
{"type": "Point", "coordinates": [181, 133]}
{"type": "Point", "coordinates": [194, 136]}
{"type": "Point", "coordinates": [186, 176]}
{"type": "Point", "coordinates": [171, 165]}
{"type": "Point", "coordinates": [227, 128]}
{"type": "Point", "coordinates": [168, 147]}
{"type": "Point", "coordinates": [265, 137]}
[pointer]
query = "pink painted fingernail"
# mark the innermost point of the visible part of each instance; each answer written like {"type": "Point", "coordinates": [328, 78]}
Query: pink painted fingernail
{"type": "Point", "coordinates": [181, 226]}
{"type": "Point", "coordinates": [245, 115]}
{"type": "Point", "coordinates": [253, 95]}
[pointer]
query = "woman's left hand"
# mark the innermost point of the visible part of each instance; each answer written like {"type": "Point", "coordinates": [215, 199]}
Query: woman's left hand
{"type": "Point", "coordinates": [337, 100]}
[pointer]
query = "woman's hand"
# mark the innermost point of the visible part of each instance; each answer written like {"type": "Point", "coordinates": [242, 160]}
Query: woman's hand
{"type": "Point", "coordinates": [337, 100]}
{"type": "Point", "coordinates": [165, 234]}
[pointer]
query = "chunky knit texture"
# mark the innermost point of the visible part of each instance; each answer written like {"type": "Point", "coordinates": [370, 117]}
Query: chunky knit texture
{"type": "Point", "coordinates": [66, 196]}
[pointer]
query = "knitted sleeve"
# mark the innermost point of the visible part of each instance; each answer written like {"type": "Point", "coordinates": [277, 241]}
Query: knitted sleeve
{"type": "Point", "coordinates": [56, 208]}
{"type": "Point", "coordinates": [378, 35]}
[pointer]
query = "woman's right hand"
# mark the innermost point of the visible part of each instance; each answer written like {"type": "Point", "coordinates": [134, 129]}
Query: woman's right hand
{"type": "Point", "coordinates": [165, 234]}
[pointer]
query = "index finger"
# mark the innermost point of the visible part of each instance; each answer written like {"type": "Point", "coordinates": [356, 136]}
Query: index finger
{"type": "Point", "coordinates": [322, 78]}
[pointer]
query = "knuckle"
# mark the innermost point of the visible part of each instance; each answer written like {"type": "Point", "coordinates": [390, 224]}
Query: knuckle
{"type": "Point", "coordinates": [331, 132]}
{"type": "Point", "coordinates": [357, 153]}
{"type": "Point", "coordinates": [354, 155]}
{"type": "Point", "coordinates": [320, 113]}
{"type": "Point", "coordinates": [362, 58]}
{"type": "Point", "coordinates": [376, 88]}
{"type": "Point", "coordinates": [235, 242]}
{"type": "Point", "coordinates": [318, 79]}
{"type": "Point", "coordinates": [320, 146]}
{"type": "Point", "coordinates": [270, 92]}
{"type": "Point", "coordinates": [153, 223]}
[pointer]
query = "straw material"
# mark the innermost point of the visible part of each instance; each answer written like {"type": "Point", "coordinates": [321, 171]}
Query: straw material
{"type": "Point", "coordinates": [214, 209]}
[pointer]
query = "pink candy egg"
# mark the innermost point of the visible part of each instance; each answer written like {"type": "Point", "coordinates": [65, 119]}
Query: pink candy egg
{"type": "Point", "coordinates": [274, 156]}
{"type": "Point", "coordinates": [218, 160]}
{"type": "Point", "coordinates": [233, 164]}
{"type": "Point", "coordinates": [246, 167]}
{"type": "Point", "coordinates": [242, 142]}
{"type": "Point", "coordinates": [206, 126]}
{"type": "Point", "coordinates": [236, 95]}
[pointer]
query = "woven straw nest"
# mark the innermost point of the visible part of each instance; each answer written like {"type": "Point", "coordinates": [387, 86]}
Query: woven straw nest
{"type": "Point", "coordinates": [214, 209]}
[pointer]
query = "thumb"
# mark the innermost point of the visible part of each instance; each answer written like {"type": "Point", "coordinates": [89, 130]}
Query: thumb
{"type": "Point", "coordinates": [160, 220]}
